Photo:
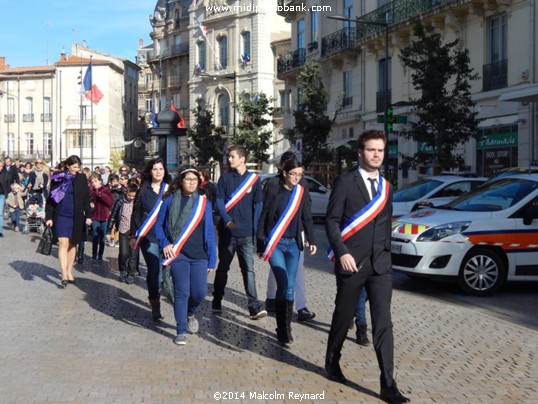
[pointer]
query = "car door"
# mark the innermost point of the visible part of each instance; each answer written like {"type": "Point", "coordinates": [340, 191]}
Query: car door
{"type": "Point", "coordinates": [320, 197]}
{"type": "Point", "coordinates": [526, 259]}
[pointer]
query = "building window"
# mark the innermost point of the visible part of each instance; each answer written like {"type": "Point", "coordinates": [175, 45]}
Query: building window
{"type": "Point", "coordinates": [176, 19]}
{"type": "Point", "coordinates": [282, 97]}
{"type": "Point", "coordinates": [497, 39]}
{"type": "Point", "coordinates": [314, 22]}
{"type": "Point", "coordinates": [83, 113]}
{"type": "Point", "coordinates": [10, 143]}
{"type": "Point", "coordinates": [223, 52]}
{"type": "Point", "coordinates": [28, 143]}
{"type": "Point", "coordinates": [348, 12]}
{"type": "Point", "coordinates": [224, 116]}
{"type": "Point", "coordinates": [28, 116]}
{"type": "Point", "coordinates": [201, 56]}
{"type": "Point", "coordinates": [149, 104]}
{"type": "Point", "coordinates": [348, 98]}
{"type": "Point", "coordinates": [47, 115]}
{"type": "Point", "coordinates": [384, 84]}
{"type": "Point", "coordinates": [47, 143]}
{"type": "Point", "coordinates": [74, 139]}
{"type": "Point", "coordinates": [246, 46]}
{"type": "Point", "coordinates": [300, 34]}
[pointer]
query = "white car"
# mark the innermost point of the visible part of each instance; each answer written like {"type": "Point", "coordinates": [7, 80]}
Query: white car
{"type": "Point", "coordinates": [318, 193]}
{"type": "Point", "coordinates": [432, 191]}
{"type": "Point", "coordinates": [482, 239]}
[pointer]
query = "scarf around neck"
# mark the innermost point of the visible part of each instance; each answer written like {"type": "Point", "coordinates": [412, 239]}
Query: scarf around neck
{"type": "Point", "coordinates": [66, 179]}
{"type": "Point", "coordinates": [177, 217]}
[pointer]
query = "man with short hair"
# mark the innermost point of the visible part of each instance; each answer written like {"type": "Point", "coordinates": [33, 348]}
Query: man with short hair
{"type": "Point", "coordinates": [12, 173]}
{"type": "Point", "coordinates": [358, 227]}
{"type": "Point", "coordinates": [239, 200]}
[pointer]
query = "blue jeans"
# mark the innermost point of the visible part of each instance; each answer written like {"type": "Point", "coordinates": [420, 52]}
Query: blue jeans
{"type": "Point", "coordinates": [284, 263]}
{"type": "Point", "coordinates": [360, 309]}
{"type": "Point", "coordinates": [98, 232]}
{"type": "Point", "coordinates": [228, 246]}
{"type": "Point", "coordinates": [15, 216]}
{"type": "Point", "coordinates": [190, 288]}
{"type": "Point", "coordinates": [2, 203]}
{"type": "Point", "coordinates": [152, 256]}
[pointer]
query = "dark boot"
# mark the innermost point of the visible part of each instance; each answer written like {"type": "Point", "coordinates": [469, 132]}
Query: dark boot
{"type": "Point", "coordinates": [80, 253]}
{"type": "Point", "coordinates": [155, 304]}
{"type": "Point", "coordinates": [289, 315]}
{"type": "Point", "coordinates": [332, 366]}
{"type": "Point", "coordinates": [281, 322]}
{"type": "Point", "coordinates": [362, 335]}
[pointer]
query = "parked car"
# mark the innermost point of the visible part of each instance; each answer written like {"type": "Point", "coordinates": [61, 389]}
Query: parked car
{"type": "Point", "coordinates": [506, 172]}
{"type": "Point", "coordinates": [482, 239]}
{"type": "Point", "coordinates": [432, 191]}
{"type": "Point", "coordinates": [318, 193]}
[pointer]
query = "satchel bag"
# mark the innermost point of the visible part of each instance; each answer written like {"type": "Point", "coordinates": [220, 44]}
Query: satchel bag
{"type": "Point", "coordinates": [45, 244]}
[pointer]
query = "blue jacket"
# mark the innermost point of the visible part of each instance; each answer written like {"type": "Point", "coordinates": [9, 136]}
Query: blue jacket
{"type": "Point", "coordinates": [161, 230]}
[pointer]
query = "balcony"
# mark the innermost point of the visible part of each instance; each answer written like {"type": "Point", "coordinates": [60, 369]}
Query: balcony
{"type": "Point", "coordinates": [380, 100]}
{"type": "Point", "coordinates": [290, 61]}
{"type": "Point", "coordinates": [494, 75]}
{"type": "Point", "coordinates": [9, 118]}
{"type": "Point", "coordinates": [278, 112]}
{"type": "Point", "coordinates": [339, 41]}
{"type": "Point", "coordinates": [28, 117]}
{"type": "Point", "coordinates": [180, 49]}
{"type": "Point", "coordinates": [347, 101]}
{"type": "Point", "coordinates": [46, 117]}
{"type": "Point", "coordinates": [174, 81]}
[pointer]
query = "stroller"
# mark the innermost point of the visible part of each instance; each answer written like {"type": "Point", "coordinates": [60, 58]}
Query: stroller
{"type": "Point", "coordinates": [35, 213]}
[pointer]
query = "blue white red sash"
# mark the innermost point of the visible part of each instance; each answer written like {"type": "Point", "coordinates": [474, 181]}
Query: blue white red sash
{"type": "Point", "coordinates": [283, 222]}
{"type": "Point", "coordinates": [150, 219]}
{"type": "Point", "coordinates": [241, 191]}
{"type": "Point", "coordinates": [198, 211]}
{"type": "Point", "coordinates": [365, 215]}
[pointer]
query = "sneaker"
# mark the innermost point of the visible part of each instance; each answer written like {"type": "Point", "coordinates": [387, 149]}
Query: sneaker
{"type": "Point", "coordinates": [255, 315]}
{"type": "Point", "coordinates": [270, 305]}
{"type": "Point", "coordinates": [123, 277]}
{"type": "Point", "coordinates": [304, 314]}
{"type": "Point", "coordinates": [129, 280]}
{"type": "Point", "coordinates": [16, 229]}
{"type": "Point", "coordinates": [216, 306]}
{"type": "Point", "coordinates": [192, 325]}
{"type": "Point", "coordinates": [181, 339]}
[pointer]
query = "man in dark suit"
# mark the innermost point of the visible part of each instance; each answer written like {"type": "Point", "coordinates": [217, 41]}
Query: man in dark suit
{"type": "Point", "coordinates": [358, 226]}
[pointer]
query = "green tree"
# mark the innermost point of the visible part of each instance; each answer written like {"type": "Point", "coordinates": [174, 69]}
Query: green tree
{"type": "Point", "coordinates": [445, 109]}
{"type": "Point", "coordinates": [311, 121]}
{"type": "Point", "coordinates": [208, 140]}
{"type": "Point", "coordinates": [253, 131]}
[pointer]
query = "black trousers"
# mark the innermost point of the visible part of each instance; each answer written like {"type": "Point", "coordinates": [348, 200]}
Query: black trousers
{"type": "Point", "coordinates": [379, 289]}
{"type": "Point", "coordinates": [127, 257]}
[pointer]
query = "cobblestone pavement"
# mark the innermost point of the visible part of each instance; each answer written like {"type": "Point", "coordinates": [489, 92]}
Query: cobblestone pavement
{"type": "Point", "coordinates": [95, 343]}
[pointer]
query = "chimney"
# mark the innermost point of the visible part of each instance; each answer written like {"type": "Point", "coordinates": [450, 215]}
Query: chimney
{"type": "Point", "coordinates": [2, 62]}
{"type": "Point", "coordinates": [63, 55]}
{"type": "Point", "coordinates": [140, 43]}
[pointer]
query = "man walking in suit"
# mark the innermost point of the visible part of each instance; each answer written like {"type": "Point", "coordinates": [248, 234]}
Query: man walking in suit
{"type": "Point", "coordinates": [358, 226]}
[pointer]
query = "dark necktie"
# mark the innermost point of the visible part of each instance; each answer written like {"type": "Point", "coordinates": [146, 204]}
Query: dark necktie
{"type": "Point", "coordinates": [372, 186]}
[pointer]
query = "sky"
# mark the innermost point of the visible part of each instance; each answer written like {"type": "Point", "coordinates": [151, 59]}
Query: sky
{"type": "Point", "coordinates": [33, 32]}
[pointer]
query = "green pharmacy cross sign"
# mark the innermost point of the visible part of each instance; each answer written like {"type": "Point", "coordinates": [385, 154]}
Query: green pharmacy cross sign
{"type": "Point", "coordinates": [391, 119]}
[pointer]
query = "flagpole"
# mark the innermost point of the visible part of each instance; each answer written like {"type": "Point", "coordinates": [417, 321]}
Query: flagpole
{"type": "Point", "coordinates": [91, 112]}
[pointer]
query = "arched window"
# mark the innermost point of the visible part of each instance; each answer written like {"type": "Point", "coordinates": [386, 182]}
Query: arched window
{"type": "Point", "coordinates": [176, 19]}
{"type": "Point", "coordinates": [223, 52]}
{"type": "Point", "coordinates": [224, 115]}
{"type": "Point", "coordinates": [245, 56]}
{"type": "Point", "coordinates": [201, 56]}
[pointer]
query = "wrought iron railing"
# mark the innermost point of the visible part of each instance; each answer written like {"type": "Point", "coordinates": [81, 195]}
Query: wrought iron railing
{"type": "Point", "coordinates": [180, 49]}
{"type": "Point", "coordinates": [494, 75]}
{"type": "Point", "coordinates": [347, 101]}
{"type": "Point", "coordinates": [9, 118]}
{"type": "Point", "coordinates": [28, 117]}
{"type": "Point", "coordinates": [380, 100]}
{"type": "Point", "coordinates": [341, 40]}
{"type": "Point", "coordinates": [290, 61]}
{"type": "Point", "coordinates": [46, 117]}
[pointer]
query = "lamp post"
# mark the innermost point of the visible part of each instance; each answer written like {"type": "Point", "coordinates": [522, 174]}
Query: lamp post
{"type": "Point", "coordinates": [384, 24]}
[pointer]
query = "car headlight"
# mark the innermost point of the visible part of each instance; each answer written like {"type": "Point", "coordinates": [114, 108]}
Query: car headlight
{"type": "Point", "coordinates": [442, 231]}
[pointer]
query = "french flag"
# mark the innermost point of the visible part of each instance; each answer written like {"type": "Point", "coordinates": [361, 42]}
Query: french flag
{"type": "Point", "coordinates": [245, 58]}
{"type": "Point", "coordinates": [91, 91]}
{"type": "Point", "coordinates": [203, 28]}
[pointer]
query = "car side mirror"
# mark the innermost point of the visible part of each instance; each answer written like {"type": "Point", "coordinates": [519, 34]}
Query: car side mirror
{"type": "Point", "coordinates": [531, 213]}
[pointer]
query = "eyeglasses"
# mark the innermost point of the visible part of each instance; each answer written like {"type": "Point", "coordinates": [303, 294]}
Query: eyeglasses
{"type": "Point", "coordinates": [295, 175]}
{"type": "Point", "coordinates": [39, 162]}
{"type": "Point", "coordinates": [190, 180]}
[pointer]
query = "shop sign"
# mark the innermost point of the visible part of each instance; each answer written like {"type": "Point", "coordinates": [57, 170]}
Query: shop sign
{"type": "Point", "coordinates": [498, 140]}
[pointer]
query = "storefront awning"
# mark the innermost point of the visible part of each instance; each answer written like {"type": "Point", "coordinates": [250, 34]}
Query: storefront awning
{"type": "Point", "coordinates": [526, 94]}
{"type": "Point", "coordinates": [498, 121]}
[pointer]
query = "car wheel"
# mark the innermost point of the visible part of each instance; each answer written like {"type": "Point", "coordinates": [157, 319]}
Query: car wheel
{"type": "Point", "coordinates": [482, 272]}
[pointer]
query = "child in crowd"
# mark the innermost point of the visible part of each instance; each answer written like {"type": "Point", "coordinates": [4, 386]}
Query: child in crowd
{"type": "Point", "coordinates": [15, 202]}
{"type": "Point", "coordinates": [102, 201]}
{"type": "Point", "coordinates": [120, 220]}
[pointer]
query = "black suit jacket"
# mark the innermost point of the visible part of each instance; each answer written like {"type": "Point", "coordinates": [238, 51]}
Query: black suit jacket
{"type": "Point", "coordinates": [348, 196]}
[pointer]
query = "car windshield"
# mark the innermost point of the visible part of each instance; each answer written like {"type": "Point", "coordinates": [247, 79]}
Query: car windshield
{"type": "Point", "coordinates": [497, 195]}
{"type": "Point", "coordinates": [415, 190]}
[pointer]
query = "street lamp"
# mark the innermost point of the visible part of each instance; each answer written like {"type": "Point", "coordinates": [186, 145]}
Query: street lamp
{"type": "Point", "coordinates": [384, 24]}
{"type": "Point", "coordinates": [233, 77]}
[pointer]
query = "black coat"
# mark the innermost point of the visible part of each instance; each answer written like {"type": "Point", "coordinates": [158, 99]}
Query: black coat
{"type": "Point", "coordinates": [12, 176]}
{"type": "Point", "coordinates": [83, 210]}
{"type": "Point", "coordinates": [4, 187]}
{"type": "Point", "coordinates": [268, 220]}
{"type": "Point", "coordinates": [349, 195]}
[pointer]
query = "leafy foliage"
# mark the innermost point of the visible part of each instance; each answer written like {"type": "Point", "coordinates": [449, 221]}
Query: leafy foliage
{"type": "Point", "coordinates": [252, 130]}
{"type": "Point", "coordinates": [208, 140]}
{"type": "Point", "coordinates": [445, 109]}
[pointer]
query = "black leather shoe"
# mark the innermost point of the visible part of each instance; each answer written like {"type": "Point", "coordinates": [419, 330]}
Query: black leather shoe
{"type": "Point", "coordinates": [1, 234]}
{"type": "Point", "coordinates": [334, 373]}
{"type": "Point", "coordinates": [304, 314]}
{"type": "Point", "coordinates": [392, 395]}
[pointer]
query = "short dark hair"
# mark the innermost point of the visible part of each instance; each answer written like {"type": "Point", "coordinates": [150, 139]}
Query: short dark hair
{"type": "Point", "coordinates": [369, 135]}
{"type": "Point", "coordinates": [70, 161]}
{"type": "Point", "coordinates": [240, 150]}
{"type": "Point", "coordinates": [113, 177]}
{"type": "Point", "coordinates": [132, 186]}
{"type": "Point", "coordinates": [291, 164]}
{"type": "Point", "coordinates": [96, 176]}
{"type": "Point", "coordinates": [289, 155]}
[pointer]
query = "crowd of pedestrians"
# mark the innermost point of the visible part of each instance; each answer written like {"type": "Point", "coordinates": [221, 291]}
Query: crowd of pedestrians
{"type": "Point", "coordinates": [188, 227]}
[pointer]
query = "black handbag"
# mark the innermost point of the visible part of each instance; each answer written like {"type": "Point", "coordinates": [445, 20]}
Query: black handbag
{"type": "Point", "coordinates": [45, 244]}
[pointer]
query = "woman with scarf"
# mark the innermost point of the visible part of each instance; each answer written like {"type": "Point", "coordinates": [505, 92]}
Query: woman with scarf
{"type": "Point", "coordinates": [67, 210]}
{"type": "Point", "coordinates": [148, 201]}
{"type": "Point", "coordinates": [38, 179]}
{"type": "Point", "coordinates": [186, 234]}
{"type": "Point", "coordinates": [284, 222]}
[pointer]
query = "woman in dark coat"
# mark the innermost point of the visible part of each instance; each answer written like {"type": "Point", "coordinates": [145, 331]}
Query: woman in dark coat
{"type": "Point", "coordinates": [67, 210]}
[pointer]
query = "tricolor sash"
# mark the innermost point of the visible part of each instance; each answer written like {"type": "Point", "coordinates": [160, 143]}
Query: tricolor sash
{"type": "Point", "coordinates": [150, 219]}
{"type": "Point", "coordinates": [198, 211]}
{"type": "Point", "coordinates": [365, 215]}
{"type": "Point", "coordinates": [283, 222]}
{"type": "Point", "coordinates": [241, 191]}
